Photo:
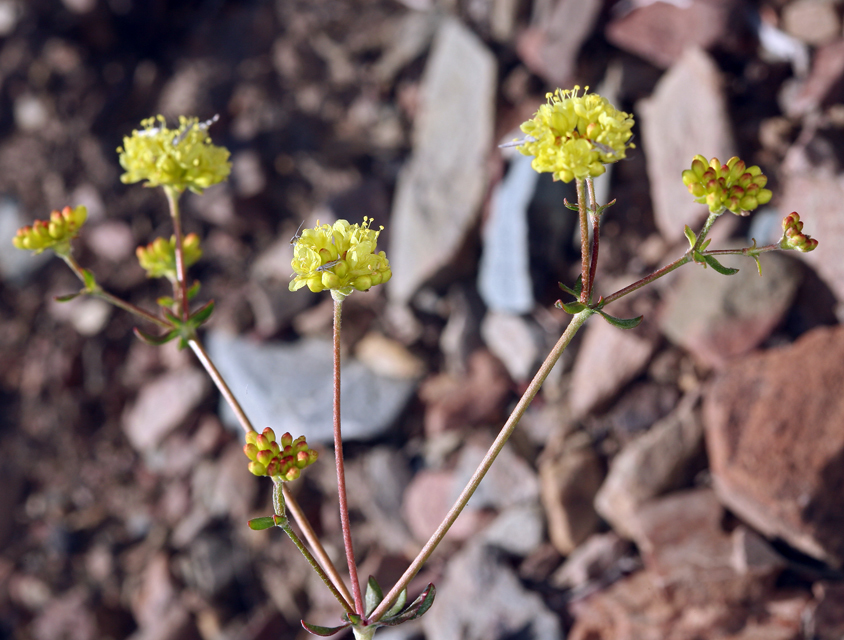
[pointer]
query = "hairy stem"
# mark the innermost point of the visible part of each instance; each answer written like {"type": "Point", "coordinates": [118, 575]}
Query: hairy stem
{"type": "Point", "coordinates": [596, 235]}
{"type": "Point", "coordinates": [529, 394]}
{"type": "Point", "coordinates": [279, 508]}
{"type": "Point", "coordinates": [180, 289]}
{"type": "Point", "coordinates": [341, 473]}
{"type": "Point", "coordinates": [656, 275]}
{"type": "Point", "coordinates": [586, 283]}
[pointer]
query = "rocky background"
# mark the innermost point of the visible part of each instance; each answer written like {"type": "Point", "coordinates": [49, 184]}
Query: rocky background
{"type": "Point", "coordinates": [681, 481]}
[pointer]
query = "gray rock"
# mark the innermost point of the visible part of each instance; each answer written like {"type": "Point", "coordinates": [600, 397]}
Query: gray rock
{"type": "Point", "coordinates": [510, 481]}
{"type": "Point", "coordinates": [162, 405]}
{"type": "Point", "coordinates": [590, 561]}
{"type": "Point", "coordinates": [439, 192]}
{"type": "Point", "coordinates": [289, 387]}
{"type": "Point", "coordinates": [649, 466]}
{"type": "Point", "coordinates": [504, 275]}
{"type": "Point", "coordinates": [720, 317]}
{"type": "Point", "coordinates": [517, 530]}
{"type": "Point", "coordinates": [813, 22]}
{"type": "Point", "coordinates": [515, 340]}
{"type": "Point", "coordinates": [481, 598]}
{"type": "Point", "coordinates": [16, 264]}
{"type": "Point", "coordinates": [685, 116]}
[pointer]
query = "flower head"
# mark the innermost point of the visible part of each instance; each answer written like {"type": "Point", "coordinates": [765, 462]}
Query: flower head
{"type": "Point", "coordinates": [793, 236]}
{"type": "Point", "coordinates": [284, 459]}
{"type": "Point", "coordinates": [574, 136]}
{"type": "Point", "coordinates": [733, 186]}
{"type": "Point", "coordinates": [181, 158]}
{"type": "Point", "coordinates": [55, 233]}
{"type": "Point", "coordinates": [340, 257]}
{"type": "Point", "coordinates": [158, 258]}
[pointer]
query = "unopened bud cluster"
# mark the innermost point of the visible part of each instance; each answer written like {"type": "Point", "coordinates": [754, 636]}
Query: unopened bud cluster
{"type": "Point", "coordinates": [55, 233]}
{"type": "Point", "coordinates": [733, 186]}
{"type": "Point", "coordinates": [284, 459]}
{"type": "Point", "coordinates": [158, 258]}
{"type": "Point", "coordinates": [793, 236]}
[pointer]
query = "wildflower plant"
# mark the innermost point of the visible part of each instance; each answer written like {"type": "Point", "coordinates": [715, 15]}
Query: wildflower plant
{"type": "Point", "coordinates": [573, 136]}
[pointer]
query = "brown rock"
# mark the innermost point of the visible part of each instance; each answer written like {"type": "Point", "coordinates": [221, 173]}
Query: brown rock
{"type": "Point", "coordinates": [568, 482]}
{"type": "Point", "coordinates": [661, 31]}
{"type": "Point", "coordinates": [427, 501]}
{"type": "Point", "coordinates": [776, 447]}
{"type": "Point", "coordinates": [827, 620]}
{"type": "Point", "coordinates": [823, 87]}
{"type": "Point", "coordinates": [608, 359]}
{"type": "Point", "coordinates": [686, 115]}
{"type": "Point", "coordinates": [811, 21]}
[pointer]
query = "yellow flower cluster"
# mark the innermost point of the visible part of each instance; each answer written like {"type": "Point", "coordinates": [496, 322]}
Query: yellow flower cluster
{"type": "Point", "coordinates": [793, 236]}
{"type": "Point", "coordinates": [574, 136]}
{"type": "Point", "coordinates": [733, 186]}
{"type": "Point", "coordinates": [340, 257]}
{"type": "Point", "coordinates": [181, 158]}
{"type": "Point", "coordinates": [158, 258]}
{"type": "Point", "coordinates": [284, 460]}
{"type": "Point", "coordinates": [55, 233]}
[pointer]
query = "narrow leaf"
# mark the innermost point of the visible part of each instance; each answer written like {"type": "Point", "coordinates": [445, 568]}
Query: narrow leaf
{"type": "Point", "coordinates": [398, 606]}
{"type": "Point", "coordinates": [690, 235]}
{"type": "Point", "coordinates": [603, 208]}
{"type": "Point", "coordinates": [88, 278]}
{"type": "Point", "coordinates": [758, 264]}
{"type": "Point", "coordinates": [323, 631]}
{"type": "Point", "coordinates": [165, 301]}
{"type": "Point", "coordinates": [415, 610]}
{"type": "Point", "coordinates": [720, 268]}
{"type": "Point", "coordinates": [155, 341]}
{"type": "Point", "coordinates": [202, 314]}
{"type": "Point", "coordinates": [621, 323]}
{"type": "Point", "coordinates": [569, 291]}
{"type": "Point", "coordinates": [259, 524]}
{"type": "Point", "coordinates": [705, 244]}
{"type": "Point", "coordinates": [373, 596]}
{"type": "Point", "coordinates": [194, 289]}
{"type": "Point", "coordinates": [571, 206]}
{"type": "Point", "coordinates": [68, 297]}
{"type": "Point", "coordinates": [578, 285]}
{"type": "Point", "coordinates": [571, 307]}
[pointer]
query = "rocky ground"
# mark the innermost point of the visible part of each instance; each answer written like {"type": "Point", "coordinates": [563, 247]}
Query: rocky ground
{"type": "Point", "coordinates": [680, 481]}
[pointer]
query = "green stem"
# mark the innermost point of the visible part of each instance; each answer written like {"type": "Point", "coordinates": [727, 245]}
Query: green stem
{"type": "Point", "coordinates": [246, 424]}
{"type": "Point", "coordinates": [713, 216]}
{"type": "Point", "coordinates": [180, 288]}
{"type": "Point", "coordinates": [341, 473]}
{"type": "Point", "coordinates": [656, 275]}
{"type": "Point", "coordinates": [279, 508]}
{"type": "Point", "coordinates": [117, 302]}
{"type": "Point", "coordinates": [586, 284]}
{"type": "Point", "coordinates": [747, 251]}
{"type": "Point", "coordinates": [528, 396]}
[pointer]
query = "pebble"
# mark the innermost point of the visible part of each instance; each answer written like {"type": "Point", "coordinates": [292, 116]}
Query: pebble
{"type": "Point", "coordinates": [515, 340]}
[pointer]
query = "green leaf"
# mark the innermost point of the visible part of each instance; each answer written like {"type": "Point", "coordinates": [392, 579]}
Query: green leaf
{"type": "Point", "coordinates": [323, 631]}
{"type": "Point", "coordinates": [603, 208]}
{"type": "Point", "coordinates": [720, 268]}
{"type": "Point", "coordinates": [373, 596]}
{"type": "Point", "coordinates": [398, 606]}
{"type": "Point", "coordinates": [416, 610]}
{"type": "Point", "coordinates": [690, 235]}
{"type": "Point", "coordinates": [68, 297]}
{"type": "Point", "coordinates": [259, 524]}
{"type": "Point", "coordinates": [705, 244]}
{"type": "Point", "coordinates": [166, 301]}
{"type": "Point", "coordinates": [571, 307]}
{"type": "Point", "coordinates": [89, 280]}
{"type": "Point", "coordinates": [155, 341]}
{"type": "Point", "coordinates": [758, 264]}
{"type": "Point", "coordinates": [202, 314]}
{"type": "Point", "coordinates": [194, 289]}
{"type": "Point", "coordinates": [571, 206]}
{"type": "Point", "coordinates": [578, 286]}
{"type": "Point", "coordinates": [568, 290]}
{"type": "Point", "coordinates": [621, 323]}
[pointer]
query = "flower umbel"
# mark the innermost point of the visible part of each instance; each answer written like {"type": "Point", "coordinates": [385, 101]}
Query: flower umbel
{"type": "Point", "coordinates": [55, 233]}
{"type": "Point", "coordinates": [181, 158]}
{"type": "Point", "coordinates": [341, 257]}
{"type": "Point", "coordinates": [733, 186]}
{"type": "Point", "coordinates": [574, 136]}
{"type": "Point", "coordinates": [793, 236]}
{"type": "Point", "coordinates": [283, 460]}
{"type": "Point", "coordinates": [158, 258]}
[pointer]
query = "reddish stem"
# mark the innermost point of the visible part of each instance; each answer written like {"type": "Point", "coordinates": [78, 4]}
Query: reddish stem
{"type": "Point", "coordinates": [586, 283]}
{"type": "Point", "coordinates": [596, 234]}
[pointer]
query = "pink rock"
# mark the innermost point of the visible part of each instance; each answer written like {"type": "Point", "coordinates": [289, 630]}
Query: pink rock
{"type": "Point", "coordinates": [660, 31]}
{"type": "Point", "coordinates": [776, 446]}
{"type": "Point", "coordinates": [813, 22]}
{"type": "Point", "coordinates": [823, 87]}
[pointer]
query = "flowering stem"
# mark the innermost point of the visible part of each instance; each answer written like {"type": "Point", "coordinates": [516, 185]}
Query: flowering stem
{"type": "Point", "coordinates": [117, 302]}
{"type": "Point", "coordinates": [279, 508]}
{"type": "Point", "coordinates": [341, 473]}
{"type": "Point", "coordinates": [586, 283]}
{"type": "Point", "coordinates": [528, 396]}
{"type": "Point", "coordinates": [656, 275]}
{"type": "Point", "coordinates": [246, 424]}
{"type": "Point", "coordinates": [747, 251]}
{"type": "Point", "coordinates": [713, 216]}
{"type": "Point", "coordinates": [181, 287]}
{"type": "Point", "coordinates": [596, 234]}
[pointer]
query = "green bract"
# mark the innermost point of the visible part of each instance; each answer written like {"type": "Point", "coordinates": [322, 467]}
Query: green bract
{"type": "Point", "coordinates": [733, 186]}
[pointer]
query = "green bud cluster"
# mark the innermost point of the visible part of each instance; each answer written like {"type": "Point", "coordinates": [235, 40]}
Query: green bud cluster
{"type": "Point", "coordinates": [282, 459]}
{"type": "Point", "coordinates": [55, 233]}
{"type": "Point", "coordinates": [733, 186]}
{"type": "Point", "coordinates": [793, 236]}
{"type": "Point", "coordinates": [158, 258]}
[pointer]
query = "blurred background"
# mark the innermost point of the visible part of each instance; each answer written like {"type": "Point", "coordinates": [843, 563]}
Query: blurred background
{"type": "Point", "coordinates": [680, 481]}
